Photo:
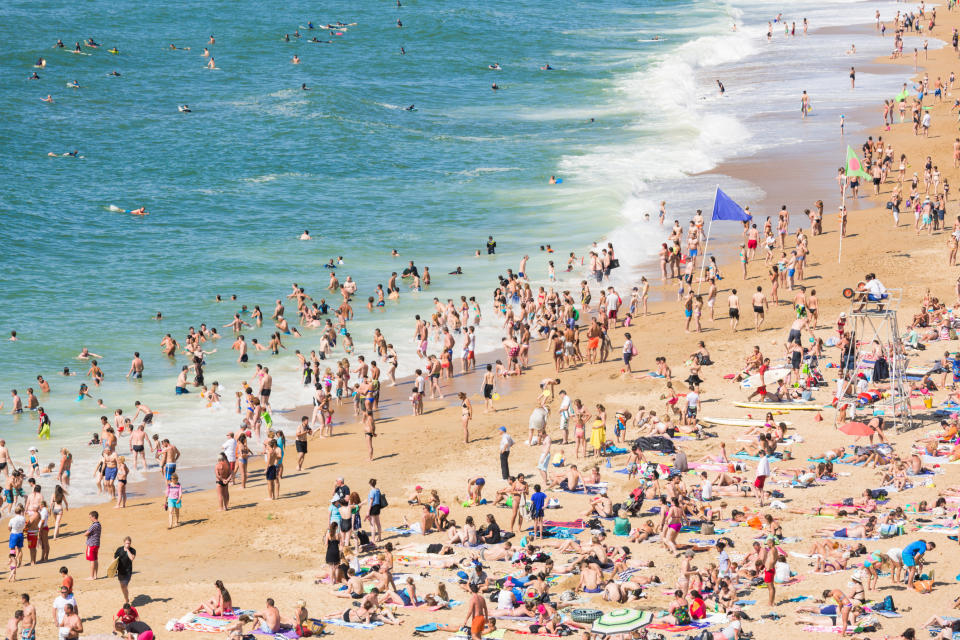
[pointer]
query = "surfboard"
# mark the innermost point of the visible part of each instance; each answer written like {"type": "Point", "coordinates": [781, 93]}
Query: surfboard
{"type": "Point", "coordinates": [80, 53]}
{"type": "Point", "coordinates": [784, 406]}
{"type": "Point", "coordinates": [770, 377]}
{"type": "Point", "coordinates": [737, 422]}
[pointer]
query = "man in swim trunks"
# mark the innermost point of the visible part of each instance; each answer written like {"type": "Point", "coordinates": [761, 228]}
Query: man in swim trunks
{"type": "Point", "coordinates": [272, 456]}
{"type": "Point", "coordinates": [168, 460]}
{"type": "Point", "coordinates": [476, 618]}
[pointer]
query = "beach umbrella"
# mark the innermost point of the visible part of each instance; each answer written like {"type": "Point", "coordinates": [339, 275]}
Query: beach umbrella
{"type": "Point", "coordinates": [621, 621]}
{"type": "Point", "coordinates": [856, 429]}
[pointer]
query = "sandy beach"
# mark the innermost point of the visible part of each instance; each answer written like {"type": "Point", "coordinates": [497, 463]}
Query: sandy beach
{"type": "Point", "coordinates": [275, 549]}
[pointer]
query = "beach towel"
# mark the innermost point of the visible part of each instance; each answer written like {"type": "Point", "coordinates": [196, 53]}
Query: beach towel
{"type": "Point", "coordinates": [663, 626]}
{"type": "Point", "coordinates": [338, 622]}
{"type": "Point", "coordinates": [290, 633]}
{"type": "Point", "coordinates": [811, 628]}
{"type": "Point", "coordinates": [494, 635]}
{"type": "Point", "coordinates": [574, 524]}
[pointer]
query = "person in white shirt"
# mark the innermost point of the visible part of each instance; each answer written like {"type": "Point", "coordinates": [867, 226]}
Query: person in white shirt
{"type": "Point", "coordinates": [229, 447]}
{"type": "Point", "coordinates": [505, 443]}
{"type": "Point", "coordinates": [16, 525]}
{"type": "Point", "coordinates": [627, 352]}
{"type": "Point", "coordinates": [60, 603]}
{"type": "Point", "coordinates": [706, 487]}
{"type": "Point", "coordinates": [876, 292]}
{"type": "Point", "coordinates": [693, 407]}
{"type": "Point", "coordinates": [565, 416]}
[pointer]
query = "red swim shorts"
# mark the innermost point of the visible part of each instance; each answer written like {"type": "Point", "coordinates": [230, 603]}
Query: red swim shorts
{"type": "Point", "coordinates": [759, 482]}
{"type": "Point", "coordinates": [92, 553]}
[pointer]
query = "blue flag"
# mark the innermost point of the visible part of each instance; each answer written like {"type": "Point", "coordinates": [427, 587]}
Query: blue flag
{"type": "Point", "coordinates": [726, 209]}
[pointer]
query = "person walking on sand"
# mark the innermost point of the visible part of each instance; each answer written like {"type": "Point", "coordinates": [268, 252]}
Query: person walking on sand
{"type": "Point", "coordinates": [303, 431]}
{"type": "Point", "coordinates": [272, 456]}
{"type": "Point", "coordinates": [222, 473]}
{"type": "Point", "coordinates": [489, 382]}
{"type": "Point", "coordinates": [763, 472]}
{"type": "Point", "coordinates": [122, 472]}
{"type": "Point", "coordinates": [466, 414]}
{"type": "Point", "coordinates": [174, 500]}
{"type": "Point", "coordinates": [92, 537]}
{"type": "Point", "coordinates": [476, 613]}
{"type": "Point", "coordinates": [733, 305]}
{"type": "Point", "coordinates": [505, 443]}
{"type": "Point", "coordinates": [124, 556]}
{"type": "Point", "coordinates": [760, 305]}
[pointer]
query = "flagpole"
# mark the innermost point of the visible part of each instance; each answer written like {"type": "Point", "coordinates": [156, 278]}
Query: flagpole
{"type": "Point", "coordinates": [706, 245]}
{"type": "Point", "coordinates": [842, 216]}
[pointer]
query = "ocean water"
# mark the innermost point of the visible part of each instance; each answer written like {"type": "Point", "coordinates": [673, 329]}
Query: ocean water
{"type": "Point", "coordinates": [624, 119]}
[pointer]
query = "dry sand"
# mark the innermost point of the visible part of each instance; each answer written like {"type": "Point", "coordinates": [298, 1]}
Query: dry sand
{"type": "Point", "coordinates": [275, 549]}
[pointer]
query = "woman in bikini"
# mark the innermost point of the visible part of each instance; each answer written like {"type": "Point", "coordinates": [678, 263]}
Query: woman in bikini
{"type": "Point", "coordinates": [673, 524]}
{"type": "Point", "coordinates": [220, 604]}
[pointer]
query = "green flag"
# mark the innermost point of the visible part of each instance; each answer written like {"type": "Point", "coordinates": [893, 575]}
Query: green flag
{"type": "Point", "coordinates": [854, 166]}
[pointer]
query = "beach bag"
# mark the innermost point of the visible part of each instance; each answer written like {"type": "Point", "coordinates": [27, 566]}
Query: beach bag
{"type": "Point", "coordinates": [923, 586]}
{"type": "Point", "coordinates": [363, 537]}
{"type": "Point", "coordinates": [885, 605]}
{"type": "Point", "coordinates": [383, 500]}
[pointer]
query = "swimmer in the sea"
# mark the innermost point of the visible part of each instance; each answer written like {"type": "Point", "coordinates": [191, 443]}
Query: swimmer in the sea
{"type": "Point", "coordinates": [48, 99]}
{"type": "Point", "coordinates": [142, 211]}
{"type": "Point", "coordinates": [494, 87]}
{"type": "Point", "coordinates": [73, 85]}
{"type": "Point", "coordinates": [92, 43]}
{"type": "Point", "coordinates": [42, 63]}
{"type": "Point", "coordinates": [59, 44]}
{"type": "Point", "coordinates": [403, 51]}
{"type": "Point", "coordinates": [399, 25]}
{"type": "Point", "coordinates": [211, 40]}
{"type": "Point", "coordinates": [546, 67]}
{"type": "Point", "coordinates": [211, 64]}
{"type": "Point", "coordinates": [174, 47]}
{"type": "Point", "coordinates": [114, 73]}
{"type": "Point", "coordinates": [720, 86]}
{"type": "Point", "coordinates": [34, 76]}
{"type": "Point", "coordinates": [184, 108]}
{"type": "Point", "coordinates": [411, 108]}
{"type": "Point", "coordinates": [495, 66]}
{"type": "Point", "coordinates": [85, 354]}
{"type": "Point", "coordinates": [456, 272]}
{"type": "Point", "coordinates": [304, 87]}
{"type": "Point", "coordinates": [296, 59]}
{"type": "Point", "coordinates": [206, 53]}
{"type": "Point", "coordinates": [305, 235]}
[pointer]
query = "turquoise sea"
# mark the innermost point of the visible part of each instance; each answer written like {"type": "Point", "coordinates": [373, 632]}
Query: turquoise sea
{"type": "Point", "coordinates": [623, 119]}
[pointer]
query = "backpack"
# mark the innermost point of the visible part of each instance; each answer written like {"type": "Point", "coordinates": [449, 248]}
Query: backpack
{"type": "Point", "coordinates": [888, 604]}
